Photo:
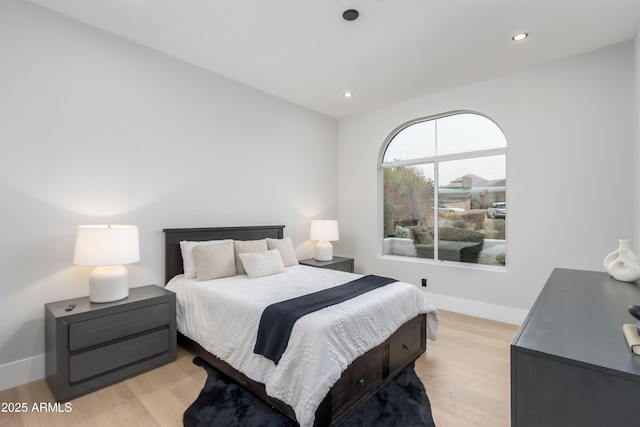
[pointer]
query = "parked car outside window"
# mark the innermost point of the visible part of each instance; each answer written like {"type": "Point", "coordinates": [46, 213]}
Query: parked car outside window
{"type": "Point", "coordinates": [497, 210]}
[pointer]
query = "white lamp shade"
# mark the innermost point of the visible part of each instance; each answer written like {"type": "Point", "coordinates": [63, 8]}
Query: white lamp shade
{"type": "Point", "coordinates": [324, 230]}
{"type": "Point", "coordinates": [103, 245]}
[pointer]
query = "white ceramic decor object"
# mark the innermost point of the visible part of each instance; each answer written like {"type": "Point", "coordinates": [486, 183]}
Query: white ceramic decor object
{"type": "Point", "coordinates": [622, 264]}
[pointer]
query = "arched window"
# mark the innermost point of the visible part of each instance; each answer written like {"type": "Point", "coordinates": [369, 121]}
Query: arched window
{"type": "Point", "coordinates": [444, 190]}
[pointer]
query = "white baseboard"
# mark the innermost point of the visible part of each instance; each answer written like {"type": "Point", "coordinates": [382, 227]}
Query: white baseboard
{"type": "Point", "coordinates": [21, 372]}
{"type": "Point", "coordinates": [500, 313]}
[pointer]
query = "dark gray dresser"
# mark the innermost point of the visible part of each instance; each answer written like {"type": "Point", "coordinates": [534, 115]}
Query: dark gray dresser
{"type": "Point", "coordinates": [570, 363]}
{"type": "Point", "coordinates": [95, 345]}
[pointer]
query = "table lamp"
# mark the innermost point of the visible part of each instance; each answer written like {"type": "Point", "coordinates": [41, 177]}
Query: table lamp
{"type": "Point", "coordinates": [107, 247]}
{"type": "Point", "coordinates": [325, 231]}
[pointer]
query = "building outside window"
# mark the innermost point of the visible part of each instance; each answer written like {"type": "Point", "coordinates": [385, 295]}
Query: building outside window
{"type": "Point", "coordinates": [445, 190]}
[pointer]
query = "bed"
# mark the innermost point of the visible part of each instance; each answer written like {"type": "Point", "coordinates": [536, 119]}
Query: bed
{"type": "Point", "coordinates": [359, 380]}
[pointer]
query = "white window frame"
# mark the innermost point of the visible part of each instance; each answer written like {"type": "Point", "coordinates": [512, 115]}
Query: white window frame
{"type": "Point", "coordinates": [435, 160]}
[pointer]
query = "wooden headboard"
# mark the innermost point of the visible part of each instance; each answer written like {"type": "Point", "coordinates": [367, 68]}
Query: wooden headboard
{"type": "Point", "coordinates": [173, 236]}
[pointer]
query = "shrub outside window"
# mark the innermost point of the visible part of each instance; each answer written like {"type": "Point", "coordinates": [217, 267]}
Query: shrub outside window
{"type": "Point", "coordinates": [444, 190]}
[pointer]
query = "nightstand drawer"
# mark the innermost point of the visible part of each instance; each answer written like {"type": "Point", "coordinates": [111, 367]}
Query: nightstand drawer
{"type": "Point", "coordinates": [106, 328]}
{"type": "Point", "coordinates": [344, 266]}
{"type": "Point", "coordinates": [103, 359]}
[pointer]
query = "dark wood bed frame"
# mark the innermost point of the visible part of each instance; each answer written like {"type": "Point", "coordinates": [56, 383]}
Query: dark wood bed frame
{"type": "Point", "coordinates": [361, 380]}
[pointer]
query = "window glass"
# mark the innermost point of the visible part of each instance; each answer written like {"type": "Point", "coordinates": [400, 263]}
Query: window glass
{"type": "Point", "coordinates": [461, 133]}
{"type": "Point", "coordinates": [408, 210]}
{"type": "Point", "coordinates": [414, 142]}
{"type": "Point", "coordinates": [445, 197]}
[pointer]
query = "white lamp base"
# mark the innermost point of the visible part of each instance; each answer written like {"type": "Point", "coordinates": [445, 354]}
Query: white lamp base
{"type": "Point", "coordinates": [107, 284]}
{"type": "Point", "coordinates": [324, 251]}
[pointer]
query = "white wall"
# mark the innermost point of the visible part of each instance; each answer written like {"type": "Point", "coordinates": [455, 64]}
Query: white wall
{"type": "Point", "coordinates": [96, 129]}
{"type": "Point", "coordinates": [636, 71]}
{"type": "Point", "coordinates": [569, 128]}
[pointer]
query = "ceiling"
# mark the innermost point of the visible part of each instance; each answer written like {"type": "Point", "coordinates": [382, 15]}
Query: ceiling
{"type": "Point", "coordinates": [304, 52]}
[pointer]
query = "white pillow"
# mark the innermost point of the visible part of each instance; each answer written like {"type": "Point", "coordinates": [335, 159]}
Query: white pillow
{"type": "Point", "coordinates": [186, 247]}
{"type": "Point", "coordinates": [214, 261]}
{"type": "Point", "coordinates": [247, 246]}
{"type": "Point", "coordinates": [259, 264]}
{"type": "Point", "coordinates": [285, 246]}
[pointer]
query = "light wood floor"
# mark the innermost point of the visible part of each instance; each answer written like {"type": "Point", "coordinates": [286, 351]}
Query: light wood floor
{"type": "Point", "coordinates": [465, 372]}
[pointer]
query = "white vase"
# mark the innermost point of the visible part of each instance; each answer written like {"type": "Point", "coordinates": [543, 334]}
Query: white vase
{"type": "Point", "coordinates": [622, 264]}
{"type": "Point", "coordinates": [623, 245]}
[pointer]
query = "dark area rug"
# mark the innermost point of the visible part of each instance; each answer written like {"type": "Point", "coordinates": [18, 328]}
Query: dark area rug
{"type": "Point", "coordinates": [223, 402]}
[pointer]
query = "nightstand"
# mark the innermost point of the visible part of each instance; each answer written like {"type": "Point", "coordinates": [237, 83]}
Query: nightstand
{"type": "Point", "coordinates": [337, 263]}
{"type": "Point", "coordinates": [94, 345]}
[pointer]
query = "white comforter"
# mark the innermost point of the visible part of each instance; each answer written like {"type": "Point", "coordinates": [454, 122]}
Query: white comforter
{"type": "Point", "coordinates": [222, 315]}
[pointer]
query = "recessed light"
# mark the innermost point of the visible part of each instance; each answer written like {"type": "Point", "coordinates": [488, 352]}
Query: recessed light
{"type": "Point", "coordinates": [348, 94]}
{"type": "Point", "coordinates": [520, 36]}
{"type": "Point", "coordinates": [350, 15]}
